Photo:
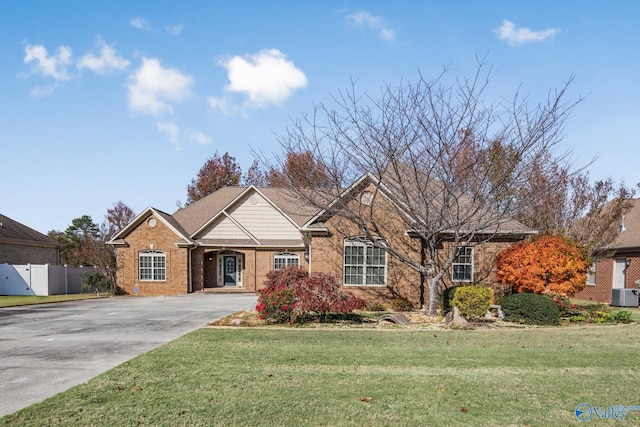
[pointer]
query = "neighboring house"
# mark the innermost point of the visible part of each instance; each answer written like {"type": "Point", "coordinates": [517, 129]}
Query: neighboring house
{"type": "Point", "coordinates": [230, 239]}
{"type": "Point", "coordinates": [617, 265]}
{"type": "Point", "coordinates": [20, 244]}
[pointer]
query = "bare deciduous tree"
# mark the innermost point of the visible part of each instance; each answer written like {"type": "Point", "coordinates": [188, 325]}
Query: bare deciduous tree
{"type": "Point", "coordinates": [255, 175]}
{"type": "Point", "coordinates": [417, 142]}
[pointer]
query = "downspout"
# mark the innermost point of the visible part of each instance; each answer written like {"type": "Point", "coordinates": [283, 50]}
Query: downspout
{"type": "Point", "coordinates": [309, 250]}
{"type": "Point", "coordinates": [189, 270]}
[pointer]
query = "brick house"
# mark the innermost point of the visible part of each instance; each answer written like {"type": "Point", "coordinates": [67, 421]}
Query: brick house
{"type": "Point", "coordinates": [231, 238]}
{"type": "Point", "coordinates": [20, 244]}
{"type": "Point", "coordinates": [618, 264]}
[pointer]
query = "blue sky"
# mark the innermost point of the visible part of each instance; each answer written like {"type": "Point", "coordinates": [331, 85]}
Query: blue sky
{"type": "Point", "coordinates": [125, 100]}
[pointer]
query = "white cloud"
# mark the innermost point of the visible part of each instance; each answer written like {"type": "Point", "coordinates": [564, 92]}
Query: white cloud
{"type": "Point", "coordinates": [170, 130]}
{"type": "Point", "coordinates": [178, 138]}
{"type": "Point", "coordinates": [42, 91]}
{"type": "Point", "coordinates": [152, 87]}
{"type": "Point", "coordinates": [107, 60]}
{"type": "Point", "coordinates": [367, 21]}
{"type": "Point", "coordinates": [225, 106]}
{"type": "Point", "coordinates": [266, 77]}
{"type": "Point", "coordinates": [174, 29]}
{"type": "Point", "coordinates": [140, 23]}
{"type": "Point", "coordinates": [54, 66]}
{"type": "Point", "coordinates": [515, 36]}
{"type": "Point", "coordinates": [197, 137]}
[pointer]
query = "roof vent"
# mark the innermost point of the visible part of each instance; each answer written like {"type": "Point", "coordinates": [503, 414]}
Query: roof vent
{"type": "Point", "coordinates": [622, 227]}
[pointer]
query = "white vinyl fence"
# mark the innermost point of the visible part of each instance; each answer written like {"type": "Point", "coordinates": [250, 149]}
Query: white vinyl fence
{"type": "Point", "coordinates": [42, 280]}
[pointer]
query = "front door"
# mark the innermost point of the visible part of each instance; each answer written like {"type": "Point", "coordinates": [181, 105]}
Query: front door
{"type": "Point", "coordinates": [230, 270]}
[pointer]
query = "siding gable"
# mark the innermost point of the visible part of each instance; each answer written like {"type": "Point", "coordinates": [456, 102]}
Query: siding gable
{"type": "Point", "coordinates": [225, 228]}
{"type": "Point", "coordinates": [252, 216]}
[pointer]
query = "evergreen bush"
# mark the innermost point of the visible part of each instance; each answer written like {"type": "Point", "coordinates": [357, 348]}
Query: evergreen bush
{"type": "Point", "coordinates": [530, 309]}
{"type": "Point", "coordinates": [445, 298]}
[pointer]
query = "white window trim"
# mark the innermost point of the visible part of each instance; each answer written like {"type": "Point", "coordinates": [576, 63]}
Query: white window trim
{"type": "Point", "coordinates": [360, 241]}
{"type": "Point", "coordinates": [153, 254]}
{"type": "Point", "coordinates": [472, 264]}
{"type": "Point", "coordinates": [287, 257]}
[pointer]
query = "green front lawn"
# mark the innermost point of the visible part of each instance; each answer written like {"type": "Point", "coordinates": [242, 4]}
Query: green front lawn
{"type": "Point", "coordinates": [272, 377]}
{"type": "Point", "coordinates": [12, 301]}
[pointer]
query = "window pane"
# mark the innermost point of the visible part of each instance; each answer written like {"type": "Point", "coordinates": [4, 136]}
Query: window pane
{"type": "Point", "coordinates": [159, 267]}
{"type": "Point", "coordinates": [462, 269]}
{"type": "Point", "coordinates": [152, 265]}
{"type": "Point", "coordinates": [364, 264]}
{"type": "Point", "coordinates": [285, 259]}
{"type": "Point", "coordinates": [375, 275]}
{"type": "Point", "coordinates": [375, 256]}
{"type": "Point", "coordinates": [353, 275]}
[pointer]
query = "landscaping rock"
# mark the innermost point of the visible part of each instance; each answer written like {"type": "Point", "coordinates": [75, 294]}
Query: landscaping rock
{"type": "Point", "coordinates": [397, 318]}
{"type": "Point", "coordinates": [458, 319]}
{"type": "Point", "coordinates": [494, 312]}
{"type": "Point", "coordinates": [238, 322]}
{"type": "Point", "coordinates": [448, 318]}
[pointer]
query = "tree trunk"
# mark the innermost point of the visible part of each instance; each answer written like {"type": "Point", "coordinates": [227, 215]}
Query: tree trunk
{"type": "Point", "coordinates": [432, 295]}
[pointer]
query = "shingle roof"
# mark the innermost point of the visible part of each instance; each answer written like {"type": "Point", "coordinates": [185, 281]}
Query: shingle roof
{"type": "Point", "coordinates": [15, 231]}
{"type": "Point", "coordinates": [630, 237]}
{"type": "Point", "coordinates": [195, 215]}
{"type": "Point", "coordinates": [418, 193]}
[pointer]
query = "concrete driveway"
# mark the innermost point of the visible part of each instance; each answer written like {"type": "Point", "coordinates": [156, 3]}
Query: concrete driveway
{"type": "Point", "coordinates": [46, 349]}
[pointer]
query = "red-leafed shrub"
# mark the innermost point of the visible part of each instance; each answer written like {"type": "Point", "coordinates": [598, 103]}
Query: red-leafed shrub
{"type": "Point", "coordinates": [546, 264]}
{"type": "Point", "coordinates": [290, 293]}
{"type": "Point", "coordinates": [284, 277]}
{"type": "Point", "coordinates": [322, 294]}
{"type": "Point", "coordinates": [277, 303]}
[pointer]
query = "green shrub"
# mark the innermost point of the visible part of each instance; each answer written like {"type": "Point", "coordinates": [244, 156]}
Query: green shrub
{"type": "Point", "coordinates": [445, 298]}
{"type": "Point", "coordinates": [623, 316]}
{"type": "Point", "coordinates": [401, 304]}
{"type": "Point", "coordinates": [472, 301]}
{"type": "Point", "coordinates": [96, 282]}
{"type": "Point", "coordinates": [530, 309]}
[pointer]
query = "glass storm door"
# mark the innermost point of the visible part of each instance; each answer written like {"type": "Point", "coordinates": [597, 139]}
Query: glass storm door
{"type": "Point", "coordinates": [619, 273]}
{"type": "Point", "coordinates": [230, 271]}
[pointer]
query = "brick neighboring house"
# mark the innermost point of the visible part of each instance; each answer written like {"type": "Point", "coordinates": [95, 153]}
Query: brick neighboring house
{"type": "Point", "coordinates": [20, 244]}
{"type": "Point", "coordinates": [618, 264]}
{"type": "Point", "coordinates": [230, 239]}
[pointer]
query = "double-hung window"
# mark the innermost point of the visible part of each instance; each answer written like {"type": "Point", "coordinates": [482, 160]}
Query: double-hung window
{"type": "Point", "coordinates": [152, 266]}
{"type": "Point", "coordinates": [463, 265]}
{"type": "Point", "coordinates": [364, 263]}
{"type": "Point", "coordinates": [285, 259]}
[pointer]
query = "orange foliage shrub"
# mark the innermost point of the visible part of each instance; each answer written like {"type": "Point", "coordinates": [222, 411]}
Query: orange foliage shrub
{"type": "Point", "coordinates": [546, 264]}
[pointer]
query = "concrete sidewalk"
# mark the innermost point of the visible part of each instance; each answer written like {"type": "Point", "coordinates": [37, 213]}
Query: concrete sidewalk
{"type": "Point", "coordinates": [46, 349]}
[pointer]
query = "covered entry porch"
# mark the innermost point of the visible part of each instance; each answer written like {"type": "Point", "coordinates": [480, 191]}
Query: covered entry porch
{"type": "Point", "coordinates": [223, 269]}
